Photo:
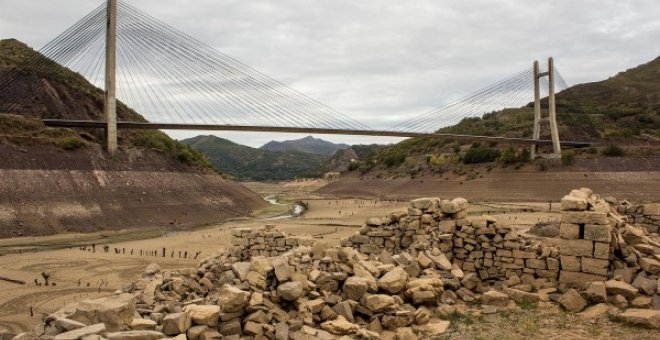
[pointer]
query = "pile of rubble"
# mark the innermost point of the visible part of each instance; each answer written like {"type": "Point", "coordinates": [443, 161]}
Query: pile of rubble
{"type": "Point", "coordinates": [389, 281]}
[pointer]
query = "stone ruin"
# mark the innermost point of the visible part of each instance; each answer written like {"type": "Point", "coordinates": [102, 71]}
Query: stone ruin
{"type": "Point", "coordinates": [266, 241]}
{"type": "Point", "coordinates": [439, 231]}
{"type": "Point", "coordinates": [390, 281]}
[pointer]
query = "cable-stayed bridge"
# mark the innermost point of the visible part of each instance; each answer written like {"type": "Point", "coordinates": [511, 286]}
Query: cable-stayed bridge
{"type": "Point", "coordinates": [177, 82]}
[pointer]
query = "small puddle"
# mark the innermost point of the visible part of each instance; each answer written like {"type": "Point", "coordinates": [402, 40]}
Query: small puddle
{"type": "Point", "coordinates": [297, 209]}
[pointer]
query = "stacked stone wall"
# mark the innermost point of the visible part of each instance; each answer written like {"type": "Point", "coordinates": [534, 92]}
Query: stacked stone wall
{"type": "Point", "coordinates": [473, 243]}
{"type": "Point", "coordinates": [266, 241]}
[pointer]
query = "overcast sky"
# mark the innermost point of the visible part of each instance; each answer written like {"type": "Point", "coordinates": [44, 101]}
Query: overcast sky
{"type": "Point", "coordinates": [384, 61]}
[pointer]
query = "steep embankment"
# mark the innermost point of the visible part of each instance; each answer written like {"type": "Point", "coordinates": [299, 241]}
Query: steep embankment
{"type": "Point", "coordinates": [60, 180]}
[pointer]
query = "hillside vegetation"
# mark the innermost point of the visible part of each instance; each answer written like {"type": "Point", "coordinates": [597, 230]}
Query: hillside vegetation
{"type": "Point", "coordinates": [41, 88]}
{"type": "Point", "coordinates": [620, 115]}
{"type": "Point", "coordinates": [246, 163]}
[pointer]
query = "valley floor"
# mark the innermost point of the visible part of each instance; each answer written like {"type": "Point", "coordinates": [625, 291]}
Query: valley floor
{"type": "Point", "coordinates": [82, 274]}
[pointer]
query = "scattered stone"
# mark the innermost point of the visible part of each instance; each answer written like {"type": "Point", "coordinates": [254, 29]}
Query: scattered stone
{"type": "Point", "coordinates": [75, 334]}
{"type": "Point", "coordinates": [495, 298]}
{"type": "Point", "coordinates": [572, 301]}
{"type": "Point", "coordinates": [644, 317]}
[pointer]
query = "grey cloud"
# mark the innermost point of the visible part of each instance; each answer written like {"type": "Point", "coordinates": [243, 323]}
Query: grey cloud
{"type": "Point", "coordinates": [383, 61]}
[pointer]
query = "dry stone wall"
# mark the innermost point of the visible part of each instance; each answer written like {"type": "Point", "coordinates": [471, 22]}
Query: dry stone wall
{"type": "Point", "coordinates": [646, 216]}
{"type": "Point", "coordinates": [266, 241]}
{"type": "Point", "coordinates": [441, 228]}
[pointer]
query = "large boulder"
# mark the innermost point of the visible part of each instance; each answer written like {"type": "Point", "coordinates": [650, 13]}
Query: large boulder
{"type": "Point", "coordinates": [645, 317]}
{"type": "Point", "coordinates": [495, 298]}
{"type": "Point", "coordinates": [232, 299]}
{"type": "Point", "coordinates": [614, 287]}
{"type": "Point", "coordinates": [290, 291]}
{"type": "Point", "coordinates": [354, 288]}
{"type": "Point", "coordinates": [176, 323]}
{"type": "Point", "coordinates": [572, 301]}
{"type": "Point", "coordinates": [394, 280]}
{"type": "Point", "coordinates": [204, 314]}
{"type": "Point", "coordinates": [115, 311]}
{"type": "Point", "coordinates": [79, 333]}
{"type": "Point", "coordinates": [378, 302]}
{"type": "Point", "coordinates": [339, 326]}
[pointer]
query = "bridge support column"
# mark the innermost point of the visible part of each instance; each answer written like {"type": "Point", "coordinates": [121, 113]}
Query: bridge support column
{"type": "Point", "coordinates": [551, 119]}
{"type": "Point", "coordinates": [110, 103]}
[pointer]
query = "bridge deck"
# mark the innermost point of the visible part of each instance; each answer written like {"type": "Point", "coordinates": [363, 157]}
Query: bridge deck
{"type": "Point", "coordinates": [201, 127]}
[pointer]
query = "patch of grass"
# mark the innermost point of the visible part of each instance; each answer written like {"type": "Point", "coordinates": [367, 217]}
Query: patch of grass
{"type": "Point", "coordinates": [528, 305]}
{"type": "Point", "coordinates": [567, 157]}
{"type": "Point", "coordinates": [613, 151]}
{"type": "Point", "coordinates": [72, 143]}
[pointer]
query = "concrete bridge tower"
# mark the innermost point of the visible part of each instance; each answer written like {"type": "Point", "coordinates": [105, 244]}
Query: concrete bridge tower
{"type": "Point", "coordinates": [110, 103]}
{"type": "Point", "coordinates": [551, 119]}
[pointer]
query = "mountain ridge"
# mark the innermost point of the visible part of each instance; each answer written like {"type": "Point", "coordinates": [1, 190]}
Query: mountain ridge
{"type": "Point", "coordinates": [307, 144]}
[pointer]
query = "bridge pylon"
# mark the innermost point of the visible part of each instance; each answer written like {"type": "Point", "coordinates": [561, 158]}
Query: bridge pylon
{"type": "Point", "coordinates": [110, 100]}
{"type": "Point", "coordinates": [551, 119]}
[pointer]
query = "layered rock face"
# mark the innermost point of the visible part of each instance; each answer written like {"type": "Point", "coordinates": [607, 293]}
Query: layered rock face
{"type": "Point", "coordinates": [390, 280]}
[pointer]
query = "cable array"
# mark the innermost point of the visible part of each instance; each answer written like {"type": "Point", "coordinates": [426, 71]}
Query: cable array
{"type": "Point", "coordinates": [170, 77]}
{"type": "Point", "coordinates": [511, 92]}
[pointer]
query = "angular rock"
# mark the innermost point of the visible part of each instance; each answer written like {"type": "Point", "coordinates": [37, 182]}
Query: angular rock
{"type": "Point", "coordinates": [143, 325]}
{"type": "Point", "coordinates": [394, 280]}
{"type": "Point", "coordinates": [572, 301]}
{"type": "Point", "coordinates": [204, 314]}
{"type": "Point", "coordinates": [650, 265]}
{"type": "Point", "coordinates": [644, 317]}
{"type": "Point", "coordinates": [378, 302]}
{"type": "Point", "coordinates": [614, 287]}
{"type": "Point", "coordinates": [453, 206]}
{"type": "Point", "coordinates": [354, 288]}
{"type": "Point", "coordinates": [596, 292]}
{"type": "Point", "coordinates": [520, 296]}
{"type": "Point", "coordinates": [176, 323]}
{"type": "Point", "coordinates": [339, 326]}
{"type": "Point", "coordinates": [135, 335]}
{"type": "Point", "coordinates": [75, 334]}
{"type": "Point", "coordinates": [290, 291]}
{"type": "Point", "coordinates": [495, 298]}
{"type": "Point", "coordinates": [232, 299]}
{"type": "Point", "coordinates": [115, 311]}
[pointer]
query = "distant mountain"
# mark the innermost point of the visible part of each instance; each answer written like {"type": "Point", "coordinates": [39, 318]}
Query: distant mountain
{"type": "Point", "coordinates": [246, 163]}
{"type": "Point", "coordinates": [307, 145]}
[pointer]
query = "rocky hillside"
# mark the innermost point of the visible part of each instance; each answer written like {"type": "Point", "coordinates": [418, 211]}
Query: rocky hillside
{"type": "Point", "coordinates": [308, 144]}
{"type": "Point", "coordinates": [246, 163]}
{"type": "Point", "coordinates": [61, 180]}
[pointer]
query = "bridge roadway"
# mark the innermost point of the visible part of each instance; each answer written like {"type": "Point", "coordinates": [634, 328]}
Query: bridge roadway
{"type": "Point", "coordinates": [168, 126]}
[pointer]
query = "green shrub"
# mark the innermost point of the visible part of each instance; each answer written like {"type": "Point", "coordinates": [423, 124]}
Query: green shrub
{"type": "Point", "coordinates": [613, 151]}
{"type": "Point", "coordinates": [72, 143]}
{"type": "Point", "coordinates": [508, 156]}
{"type": "Point", "coordinates": [481, 155]}
{"type": "Point", "coordinates": [524, 155]}
{"type": "Point", "coordinates": [353, 166]}
{"type": "Point", "coordinates": [394, 158]}
{"type": "Point", "coordinates": [567, 158]}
